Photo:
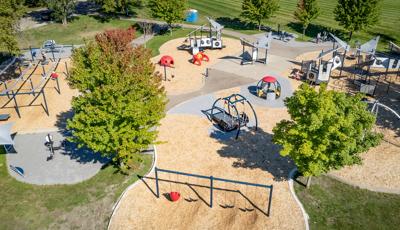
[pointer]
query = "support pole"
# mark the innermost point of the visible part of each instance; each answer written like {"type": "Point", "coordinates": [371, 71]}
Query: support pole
{"type": "Point", "coordinates": [30, 49]}
{"type": "Point", "coordinates": [157, 187]}
{"type": "Point", "coordinates": [211, 191]}
{"type": "Point", "coordinates": [58, 86]}
{"type": "Point", "coordinates": [66, 69]}
{"type": "Point", "coordinates": [270, 201]}
{"type": "Point", "coordinates": [33, 91]}
{"type": "Point", "coordinates": [43, 69]}
{"type": "Point", "coordinates": [46, 108]}
{"type": "Point", "coordinates": [52, 53]}
{"type": "Point", "coordinates": [5, 86]}
{"type": "Point", "coordinates": [344, 58]}
{"type": "Point", "coordinates": [16, 104]}
{"type": "Point", "coordinates": [165, 73]}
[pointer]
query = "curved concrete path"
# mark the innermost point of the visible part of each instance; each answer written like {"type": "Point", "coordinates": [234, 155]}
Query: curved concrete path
{"type": "Point", "coordinates": [69, 165]}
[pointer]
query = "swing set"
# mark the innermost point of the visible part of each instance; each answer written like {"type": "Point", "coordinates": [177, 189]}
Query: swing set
{"type": "Point", "coordinates": [229, 113]}
{"type": "Point", "coordinates": [175, 195]}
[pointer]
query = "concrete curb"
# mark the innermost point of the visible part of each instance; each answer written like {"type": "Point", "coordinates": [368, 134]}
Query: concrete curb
{"type": "Point", "coordinates": [291, 188]}
{"type": "Point", "coordinates": [118, 202]}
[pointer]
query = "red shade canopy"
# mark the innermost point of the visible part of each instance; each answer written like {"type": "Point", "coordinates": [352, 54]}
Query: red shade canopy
{"type": "Point", "coordinates": [269, 79]}
{"type": "Point", "coordinates": [167, 61]}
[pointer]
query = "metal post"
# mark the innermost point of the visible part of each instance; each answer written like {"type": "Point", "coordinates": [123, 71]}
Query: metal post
{"type": "Point", "coordinates": [46, 108]}
{"type": "Point", "coordinates": [211, 191]}
{"type": "Point", "coordinates": [33, 91]}
{"type": "Point", "coordinates": [30, 49]}
{"type": "Point", "coordinates": [165, 73]}
{"type": "Point", "coordinates": [52, 53]}
{"type": "Point", "coordinates": [344, 58]}
{"type": "Point", "coordinates": [43, 70]}
{"type": "Point", "coordinates": [66, 69]}
{"type": "Point", "coordinates": [5, 86]}
{"type": "Point", "coordinates": [270, 201]}
{"type": "Point", "coordinates": [16, 104]}
{"type": "Point", "coordinates": [157, 188]}
{"type": "Point", "coordinates": [58, 86]}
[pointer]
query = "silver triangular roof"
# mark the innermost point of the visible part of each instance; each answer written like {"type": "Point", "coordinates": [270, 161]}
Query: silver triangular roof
{"type": "Point", "coordinates": [216, 26]}
{"type": "Point", "coordinates": [370, 46]}
{"type": "Point", "coordinates": [5, 134]}
{"type": "Point", "coordinates": [342, 43]}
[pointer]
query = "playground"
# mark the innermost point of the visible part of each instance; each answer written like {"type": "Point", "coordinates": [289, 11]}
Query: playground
{"type": "Point", "coordinates": [197, 141]}
{"type": "Point", "coordinates": [37, 102]}
{"type": "Point", "coordinates": [216, 165]}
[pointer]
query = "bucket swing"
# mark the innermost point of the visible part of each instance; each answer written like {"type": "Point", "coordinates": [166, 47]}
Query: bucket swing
{"type": "Point", "coordinates": [174, 195]}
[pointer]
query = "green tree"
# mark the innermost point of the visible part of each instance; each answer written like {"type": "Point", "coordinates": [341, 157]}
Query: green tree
{"type": "Point", "coordinates": [327, 130]}
{"type": "Point", "coordinates": [307, 10]}
{"type": "Point", "coordinates": [34, 3]}
{"type": "Point", "coordinates": [11, 12]}
{"type": "Point", "coordinates": [170, 11]}
{"type": "Point", "coordinates": [258, 10]}
{"type": "Point", "coordinates": [356, 15]}
{"type": "Point", "coordinates": [121, 100]}
{"type": "Point", "coordinates": [62, 9]}
{"type": "Point", "coordinates": [116, 6]}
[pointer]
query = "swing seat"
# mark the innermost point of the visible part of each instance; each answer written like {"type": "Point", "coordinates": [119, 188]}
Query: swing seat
{"type": "Point", "coordinates": [54, 76]}
{"type": "Point", "coordinates": [174, 196]}
{"type": "Point", "coordinates": [225, 121]}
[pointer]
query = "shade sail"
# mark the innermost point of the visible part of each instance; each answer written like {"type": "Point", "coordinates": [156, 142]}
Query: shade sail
{"type": "Point", "coordinates": [5, 134]}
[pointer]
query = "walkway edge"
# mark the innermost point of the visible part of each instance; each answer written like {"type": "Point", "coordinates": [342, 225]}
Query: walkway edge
{"type": "Point", "coordinates": [122, 196]}
{"type": "Point", "coordinates": [291, 188]}
{"type": "Point", "coordinates": [361, 186]}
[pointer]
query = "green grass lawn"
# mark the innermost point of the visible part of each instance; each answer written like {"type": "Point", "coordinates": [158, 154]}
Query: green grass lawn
{"type": "Point", "coordinates": [156, 42]}
{"type": "Point", "coordinates": [229, 10]}
{"type": "Point", "coordinates": [334, 205]}
{"type": "Point", "coordinates": [84, 205]}
{"type": "Point", "coordinates": [387, 26]}
{"type": "Point", "coordinates": [82, 27]}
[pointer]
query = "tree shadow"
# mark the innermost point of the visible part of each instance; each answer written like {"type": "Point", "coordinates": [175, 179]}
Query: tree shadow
{"type": "Point", "coordinates": [78, 153]}
{"type": "Point", "coordinates": [255, 150]}
{"type": "Point", "coordinates": [87, 8]}
{"type": "Point", "coordinates": [236, 23]}
{"type": "Point", "coordinates": [103, 18]}
{"type": "Point", "coordinates": [40, 16]}
{"type": "Point", "coordinates": [314, 29]}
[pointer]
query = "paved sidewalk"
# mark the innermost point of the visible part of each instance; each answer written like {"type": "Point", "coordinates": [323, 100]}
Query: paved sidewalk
{"type": "Point", "coordinates": [142, 40]}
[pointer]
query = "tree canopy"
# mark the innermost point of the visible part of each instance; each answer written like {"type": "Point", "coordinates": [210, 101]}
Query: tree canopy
{"type": "Point", "coordinates": [327, 130]}
{"type": "Point", "coordinates": [307, 10]}
{"type": "Point", "coordinates": [121, 100]}
{"type": "Point", "coordinates": [170, 11]}
{"type": "Point", "coordinates": [116, 6]}
{"type": "Point", "coordinates": [356, 15]}
{"type": "Point", "coordinates": [11, 12]}
{"type": "Point", "coordinates": [258, 10]}
{"type": "Point", "coordinates": [62, 9]}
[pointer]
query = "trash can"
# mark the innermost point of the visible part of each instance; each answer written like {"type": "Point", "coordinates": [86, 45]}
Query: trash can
{"type": "Point", "coordinates": [192, 16]}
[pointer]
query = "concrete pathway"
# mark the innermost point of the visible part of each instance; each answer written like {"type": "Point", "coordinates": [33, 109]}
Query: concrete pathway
{"type": "Point", "coordinates": [142, 40]}
{"type": "Point", "coordinates": [69, 165]}
{"type": "Point", "coordinates": [216, 81]}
